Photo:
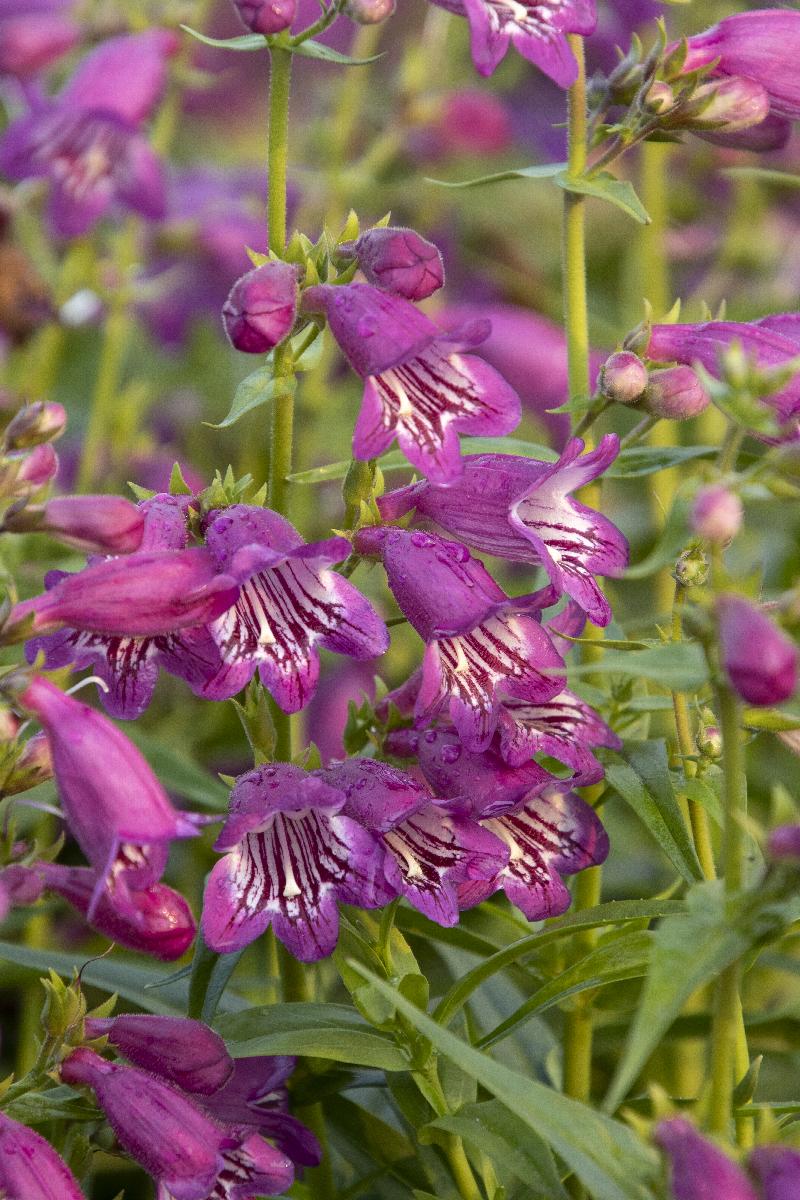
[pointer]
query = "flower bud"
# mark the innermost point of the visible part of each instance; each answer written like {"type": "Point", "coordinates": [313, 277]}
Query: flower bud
{"type": "Point", "coordinates": [261, 308]}
{"type": "Point", "coordinates": [623, 377]}
{"type": "Point", "coordinates": [691, 569]}
{"type": "Point", "coordinates": [784, 843]}
{"type": "Point", "coordinates": [675, 393]}
{"type": "Point", "coordinates": [716, 514]}
{"type": "Point", "coordinates": [103, 524]}
{"type": "Point", "coordinates": [34, 424]}
{"type": "Point", "coordinates": [36, 469]}
{"type": "Point", "coordinates": [30, 1168]}
{"type": "Point", "coordinates": [34, 766]}
{"type": "Point", "coordinates": [759, 659]}
{"type": "Point", "coordinates": [728, 105]}
{"type": "Point", "coordinates": [266, 16]}
{"type": "Point", "coordinates": [660, 97]}
{"type": "Point", "coordinates": [401, 262]}
{"type": "Point", "coordinates": [709, 736]}
{"type": "Point", "coordinates": [369, 12]}
{"type": "Point", "coordinates": [182, 1051]}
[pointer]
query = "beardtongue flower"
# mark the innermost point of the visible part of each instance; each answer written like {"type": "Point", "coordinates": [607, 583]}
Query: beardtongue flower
{"type": "Point", "coordinates": [30, 1169]}
{"type": "Point", "coordinates": [290, 854]}
{"type": "Point", "coordinates": [189, 1155]}
{"type": "Point", "coordinates": [521, 509]}
{"type": "Point", "coordinates": [18, 886]}
{"type": "Point", "coordinates": [399, 261]}
{"type": "Point", "coordinates": [266, 16]}
{"type": "Point", "coordinates": [87, 140]}
{"type": "Point", "coordinates": [759, 659]}
{"type": "Point", "coordinates": [730, 105]}
{"type": "Point", "coordinates": [291, 603]}
{"type": "Point", "coordinates": [623, 377]}
{"type": "Point", "coordinates": [34, 34]}
{"type": "Point", "coordinates": [698, 1169]}
{"type": "Point", "coordinates": [115, 808]}
{"type": "Point", "coordinates": [154, 920]}
{"type": "Point", "coordinates": [430, 847]}
{"type": "Point", "coordinates": [777, 1169]}
{"type": "Point", "coordinates": [181, 1051]}
{"type": "Point", "coordinates": [716, 514]}
{"type": "Point", "coordinates": [418, 387]}
{"type": "Point", "coordinates": [261, 308]}
{"type": "Point", "coordinates": [675, 393]}
{"type": "Point", "coordinates": [761, 45]}
{"type": "Point", "coordinates": [105, 524]}
{"type": "Point", "coordinates": [537, 31]}
{"type": "Point", "coordinates": [481, 644]}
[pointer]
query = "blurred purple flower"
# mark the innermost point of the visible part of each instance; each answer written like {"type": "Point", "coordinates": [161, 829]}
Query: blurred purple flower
{"type": "Point", "coordinates": [30, 1169]}
{"type": "Point", "coordinates": [698, 1169]}
{"type": "Point", "coordinates": [34, 34]}
{"type": "Point", "coordinates": [759, 659]}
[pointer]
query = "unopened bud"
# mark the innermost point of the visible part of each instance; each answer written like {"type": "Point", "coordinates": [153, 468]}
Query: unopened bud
{"type": "Point", "coordinates": [675, 393]}
{"type": "Point", "coordinates": [34, 766]}
{"type": "Point", "coordinates": [623, 377]}
{"type": "Point", "coordinates": [103, 524]}
{"type": "Point", "coordinates": [266, 16]}
{"type": "Point", "coordinates": [716, 514]}
{"type": "Point", "coordinates": [369, 12]}
{"type": "Point", "coordinates": [401, 262]}
{"type": "Point", "coordinates": [33, 471]}
{"type": "Point", "coordinates": [35, 424]}
{"type": "Point", "coordinates": [760, 661]}
{"type": "Point", "coordinates": [691, 569]}
{"type": "Point", "coordinates": [260, 310]}
{"type": "Point", "coordinates": [709, 736]}
{"type": "Point", "coordinates": [730, 104]}
{"type": "Point", "coordinates": [660, 97]}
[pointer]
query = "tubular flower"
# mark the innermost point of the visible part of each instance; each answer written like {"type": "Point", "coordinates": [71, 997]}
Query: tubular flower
{"type": "Point", "coordinates": [418, 388]}
{"type": "Point", "coordinates": [115, 808]}
{"type": "Point", "coordinates": [87, 139]}
{"type": "Point", "coordinates": [182, 1051]}
{"type": "Point", "coordinates": [30, 1169]}
{"type": "Point", "coordinates": [290, 603]}
{"type": "Point", "coordinates": [106, 524]}
{"type": "Point", "coordinates": [537, 30]}
{"type": "Point", "coordinates": [189, 1155]}
{"type": "Point", "coordinates": [129, 666]}
{"type": "Point", "coordinates": [521, 509]}
{"type": "Point", "coordinates": [430, 847]}
{"type": "Point", "coordinates": [698, 1169]}
{"type": "Point", "coordinates": [759, 659]}
{"type": "Point", "coordinates": [290, 854]}
{"type": "Point", "coordinates": [762, 46]}
{"type": "Point", "coordinates": [34, 34]}
{"type": "Point", "coordinates": [481, 645]}
{"type": "Point", "coordinates": [399, 261]}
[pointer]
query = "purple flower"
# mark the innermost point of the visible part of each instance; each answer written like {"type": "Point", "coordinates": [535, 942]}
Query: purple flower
{"type": "Point", "coordinates": [106, 524]}
{"type": "Point", "coordinates": [762, 45]}
{"type": "Point", "coordinates": [418, 387]}
{"type": "Point", "coordinates": [115, 808]}
{"type": "Point", "coordinates": [87, 140]}
{"type": "Point", "coordinates": [30, 1169]}
{"type": "Point", "coordinates": [290, 854]}
{"type": "Point", "coordinates": [470, 122]}
{"type": "Point", "coordinates": [399, 261]}
{"type": "Point", "coordinates": [154, 920]}
{"type": "Point", "coordinates": [521, 509]}
{"type": "Point", "coordinates": [182, 1051]}
{"type": "Point", "coordinates": [784, 842]}
{"type": "Point", "coordinates": [18, 886]}
{"type": "Point", "coordinates": [33, 470]}
{"type": "Point", "coordinates": [716, 514]}
{"type": "Point", "coordinates": [266, 16]}
{"type": "Point", "coordinates": [777, 1169]}
{"type": "Point", "coordinates": [42, 421]}
{"type": "Point", "coordinates": [430, 847]}
{"type": "Point", "coordinates": [481, 644]}
{"type": "Point", "coordinates": [537, 29]}
{"type": "Point", "coordinates": [290, 603]}
{"type": "Point", "coordinates": [33, 34]}
{"type": "Point", "coordinates": [698, 1169]}
{"type": "Point", "coordinates": [623, 377]}
{"type": "Point", "coordinates": [261, 308]}
{"type": "Point", "coordinates": [759, 659]}
{"type": "Point", "coordinates": [189, 1155]}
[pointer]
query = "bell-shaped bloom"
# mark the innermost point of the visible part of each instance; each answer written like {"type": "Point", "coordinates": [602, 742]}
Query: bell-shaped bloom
{"type": "Point", "coordinates": [34, 34]}
{"type": "Point", "coordinates": [521, 509]}
{"type": "Point", "coordinates": [129, 666]}
{"type": "Point", "coordinates": [777, 1169]}
{"type": "Point", "coordinates": [419, 387]}
{"type": "Point", "coordinates": [115, 808]}
{"type": "Point", "coordinates": [291, 603]}
{"type": "Point", "coordinates": [698, 1168]}
{"type": "Point", "coordinates": [103, 524]}
{"type": "Point", "coordinates": [155, 920]}
{"type": "Point", "coordinates": [536, 30]}
{"type": "Point", "coordinates": [30, 1169]}
{"type": "Point", "coordinates": [481, 645]}
{"type": "Point", "coordinates": [290, 855]}
{"type": "Point", "coordinates": [399, 261]}
{"type": "Point", "coordinates": [181, 1051]}
{"type": "Point", "coordinates": [430, 847]}
{"type": "Point", "coordinates": [189, 1155]}
{"type": "Point", "coordinates": [759, 659]}
{"type": "Point", "coordinates": [261, 308]}
{"type": "Point", "coordinates": [761, 45]}
{"type": "Point", "coordinates": [87, 140]}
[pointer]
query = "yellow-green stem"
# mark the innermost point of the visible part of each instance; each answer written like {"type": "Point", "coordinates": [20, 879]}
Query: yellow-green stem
{"type": "Point", "coordinates": [280, 82]}
{"type": "Point", "coordinates": [576, 319]}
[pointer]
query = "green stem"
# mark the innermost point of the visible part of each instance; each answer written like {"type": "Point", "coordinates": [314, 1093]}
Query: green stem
{"type": "Point", "coordinates": [698, 818]}
{"type": "Point", "coordinates": [576, 319]}
{"type": "Point", "coordinates": [729, 450]}
{"type": "Point", "coordinates": [433, 1092]}
{"type": "Point", "coordinates": [638, 432]}
{"type": "Point", "coordinates": [280, 82]}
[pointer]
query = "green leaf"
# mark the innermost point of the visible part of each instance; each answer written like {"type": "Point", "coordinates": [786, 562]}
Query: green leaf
{"type": "Point", "coordinates": [621, 958]}
{"type": "Point", "coordinates": [604, 186]}
{"type": "Point", "coordinates": [679, 666]}
{"type": "Point", "coordinates": [646, 460]}
{"type": "Point", "coordinates": [541, 171]}
{"type": "Point", "coordinates": [178, 773]}
{"type": "Point", "coordinates": [396, 461]}
{"type": "Point", "coordinates": [645, 783]}
{"type": "Point", "coordinates": [671, 542]}
{"type": "Point", "coordinates": [56, 1104]}
{"type": "Point", "coordinates": [322, 1030]}
{"type": "Point", "coordinates": [312, 49]}
{"type": "Point", "coordinates": [257, 389]}
{"type": "Point", "coordinates": [608, 1158]}
{"type": "Point", "coordinates": [688, 951]}
{"type": "Point", "coordinates": [770, 720]}
{"type": "Point", "coordinates": [247, 41]}
{"type": "Point", "coordinates": [494, 1130]}
{"type": "Point", "coordinates": [209, 976]}
{"type": "Point", "coordinates": [701, 791]}
{"type": "Point", "coordinates": [605, 643]}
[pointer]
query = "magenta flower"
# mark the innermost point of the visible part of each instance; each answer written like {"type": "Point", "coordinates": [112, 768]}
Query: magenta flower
{"type": "Point", "coordinates": [716, 514]}
{"type": "Point", "coordinates": [430, 847]}
{"type": "Point", "coordinates": [761, 45]}
{"type": "Point", "coordinates": [115, 808]}
{"type": "Point", "coordinates": [182, 1051]}
{"type": "Point", "coordinates": [418, 387]}
{"type": "Point", "coordinates": [34, 34]}
{"type": "Point", "coordinates": [698, 1169]}
{"type": "Point", "coordinates": [104, 524]}
{"type": "Point", "coordinates": [536, 29]}
{"type": "Point", "coordinates": [261, 308]}
{"type": "Point", "coordinates": [87, 140]}
{"type": "Point", "coordinates": [291, 603]}
{"type": "Point", "coordinates": [399, 261]}
{"type": "Point", "coordinates": [18, 886]}
{"type": "Point", "coordinates": [521, 509]}
{"type": "Point", "coordinates": [777, 1169]}
{"type": "Point", "coordinates": [266, 16]}
{"type": "Point", "coordinates": [481, 645]}
{"type": "Point", "coordinates": [30, 1169]}
{"type": "Point", "coordinates": [290, 854]}
{"type": "Point", "coordinates": [759, 659]}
